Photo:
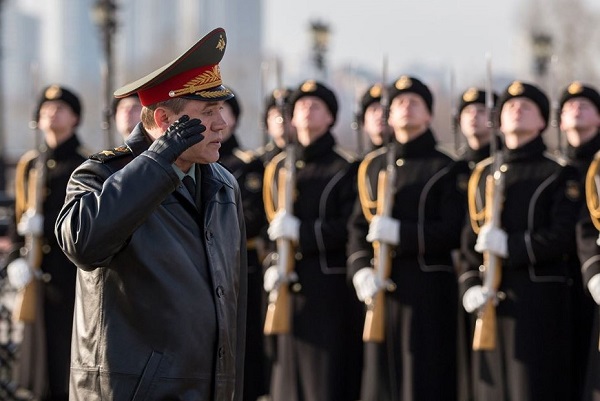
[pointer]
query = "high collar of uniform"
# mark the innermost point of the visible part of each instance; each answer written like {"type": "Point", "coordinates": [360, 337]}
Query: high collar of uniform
{"type": "Point", "coordinates": [419, 146]}
{"type": "Point", "coordinates": [317, 148]}
{"type": "Point", "coordinates": [585, 151]}
{"type": "Point", "coordinates": [65, 149]}
{"type": "Point", "coordinates": [530, 150]}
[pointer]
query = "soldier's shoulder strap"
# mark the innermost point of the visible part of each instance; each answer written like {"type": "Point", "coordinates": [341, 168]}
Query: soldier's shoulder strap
{"type": "Point", "coordinates": [246, 156]}
{"type": "Point", "coordinates": [106, 156]}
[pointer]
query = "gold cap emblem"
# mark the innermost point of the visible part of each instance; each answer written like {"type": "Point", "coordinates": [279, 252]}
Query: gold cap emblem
{"type": "Point", "coordinates": [375, 91]}
{"type": "Point", "coordinates": [575, 88]}
{"type": "Point", "coordinates": [470, 95]}
{"type": "Point", "coordinates": [221, 43]}
{"type": "Point", "coordinates": [53, 92]}
{"type": "Point", "coordinates": [403, 82]}
{"type": "Point", "coordinates": [308, 86]}
{"type": "Point", "coordinates": [516, 88]}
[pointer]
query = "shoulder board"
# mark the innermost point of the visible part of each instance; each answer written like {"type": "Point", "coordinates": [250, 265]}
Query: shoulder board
{"type": "Point", "coordinates": [556, 158]}
{"type": "Point", "coordinates": [107, 155]}
{"type": "Point", "coordinates": [247, 156]}
{"type": "Point", "coordinates": [348, 156]}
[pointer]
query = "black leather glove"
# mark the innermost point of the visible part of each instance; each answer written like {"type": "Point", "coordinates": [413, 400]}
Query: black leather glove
{"type": "Point", "coordinates": [181, 135]}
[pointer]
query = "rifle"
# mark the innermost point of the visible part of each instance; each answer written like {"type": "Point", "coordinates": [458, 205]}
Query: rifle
{"type": "Point", "coordinates": [454, 114]}
{"type": "Point", "coordinates": [592, 198]}
{"type": "Point", "coordinates": [30, 201]}
{"type": "Point", "coordinates": [555, 106]}
{"type": "Point", "coordinates": [484, 337]}
{"type": "Point", "coordinates": [374, 329]}
{"type": "Point", "coordinates": [277, 320]}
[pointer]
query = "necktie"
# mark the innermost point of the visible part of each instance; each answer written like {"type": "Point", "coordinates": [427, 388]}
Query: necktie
{"type": "Point", "coordinates": [190, 185]}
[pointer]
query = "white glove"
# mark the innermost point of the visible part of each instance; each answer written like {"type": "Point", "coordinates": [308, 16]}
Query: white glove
{"type": "Point", "coordinates": [384, 229]}
{"type": "Point", "coordinates": [19, 273]}
{"type": "Point", "coordinates": [598, 240]}
{"type": "Point", "coordinates": [367, 284]}
{"type": "Point", "coordinates": [272, 279]}
{"type": "Point", "coordinates": [474, 298]}
{"type": "Point", "coordinates": [492, 239]}
{"type": "Point", "coordinates": [594, 287]}
{"type": "Point", "coordinates": [31, 223]}
{"type": "Point", "coordinates": [284, 225]}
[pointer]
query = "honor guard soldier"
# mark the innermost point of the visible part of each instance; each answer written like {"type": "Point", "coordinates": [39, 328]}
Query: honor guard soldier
{"type": "Point", "coordinates": [473, 123]}
{"type": "Point", "coordinates": [248, 170]}
{"type": "Point", "coordinates": [276, 125]}
{"type": "Point", "coordinates": [580, 123]}
{"type": "Point", "coordinates": [156, 229]}
{"type": "Point", "coordinates": [127, 112]}
{"type": "Point", "coordinates": [409, 216]}
{"type": "Point", "coordinates": [318, 355]}
{"type": "Point", "coordinates": [46, 282]}
{"type": "Point", "coordinates": [370, 117]}
{"type": "Point", "coordinates": [523, 222]}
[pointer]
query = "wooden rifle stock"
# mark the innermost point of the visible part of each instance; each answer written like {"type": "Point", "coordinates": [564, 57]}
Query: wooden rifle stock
{"type": "Point", "coordinates": [374, 330]}
{"type": "Point", "coordinates": [26, 298]}
{"type": "Point", "coordinates": [277, 320]}
{"type": "Point", "coordinates": [484, 336]}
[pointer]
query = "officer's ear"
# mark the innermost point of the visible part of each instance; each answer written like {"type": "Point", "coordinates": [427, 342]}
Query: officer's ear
{"type": "Point", "coordinates": [161, 118]}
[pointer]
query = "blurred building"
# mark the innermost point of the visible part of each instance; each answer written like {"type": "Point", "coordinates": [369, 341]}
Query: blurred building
{"type": "Point", "coordinates": [58, 41]}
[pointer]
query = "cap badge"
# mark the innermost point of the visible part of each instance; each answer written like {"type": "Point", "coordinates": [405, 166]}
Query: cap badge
{"type": "Point", "coordinates": [308, 86]}
{"type": "Point", "coordinates": [221, 43]}
{"type": "Point", "coordinates": [470, 95]}
{"type": "Point", "coordinates": [516, 88]}
{"type": "Point", "coordinates": [53, 92]}
{"type": "Point", "coordinates": [207, 79]}
{"type": "Point", "coordinates": [403, 82]}
{"type": "Point", "coordinates": [575, 88]}
{"type": "Point", "coordinates": [375, 91]}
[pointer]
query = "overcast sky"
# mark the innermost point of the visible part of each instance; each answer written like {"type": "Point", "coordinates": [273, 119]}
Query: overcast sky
{"type": "Point", "coordinates": [452, 34]}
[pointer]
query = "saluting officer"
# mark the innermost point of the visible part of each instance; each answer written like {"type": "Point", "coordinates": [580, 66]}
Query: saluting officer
{"type": "Point", "coordinates": [319, 359]}
{"type": "Point", "coordinates": [535, 242]}
{"type": "Point", "coordinates": [417, 358]}
{"type": "Point", "coordinates": [580, 122]}
{"type": "Point", "coordinates": [44, 354]}
{"type": "Point", "coordinates": [248, 170]}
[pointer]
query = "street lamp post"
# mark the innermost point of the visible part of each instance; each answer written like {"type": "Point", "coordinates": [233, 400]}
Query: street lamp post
{"type": "Point", "coordinates": [104, 15]}
{"type": "Point", "coordinates": [320, 35]}
{"type": "Point", "coordinates": [542, 52]}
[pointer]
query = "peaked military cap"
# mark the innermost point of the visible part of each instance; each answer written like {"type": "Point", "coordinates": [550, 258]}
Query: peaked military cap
{"type": "Point", "coordinates": [372, 95]}
{"type": "Point", "coordinates": [472, 96]}
{"type": "Point", "coordinates": [317, 89]}
{"type": "Point", "coordinates": [58, 92]}
{"type": "Point", "coordinates": [407, 84]}
{"type": "Point", "coordinates": [578, 89]}
{"type": "Point", "coordinates": [193, 75]}
{"type": "Point", "coordinates": [529, 91]}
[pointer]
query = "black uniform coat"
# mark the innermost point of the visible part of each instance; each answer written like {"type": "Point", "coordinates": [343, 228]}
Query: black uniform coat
{"type": "Point", "coordinates": [249, 170]}
{"type": "Point", "coordinates": [588, 250]}
{"type": "Point", "coordinates": [532, 360]}
{"type": "Point", "coordinates": [59, 292]}
{"type": "Point", "coordinates": [320, 359]}
{"type": "Point", "coordinates": [417, 360]}
{"type": "Point", "coordinates": [161, 284]}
